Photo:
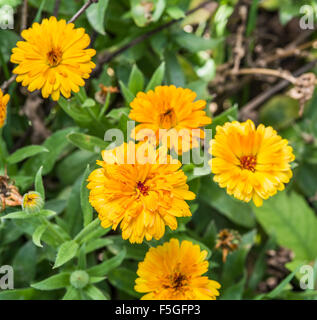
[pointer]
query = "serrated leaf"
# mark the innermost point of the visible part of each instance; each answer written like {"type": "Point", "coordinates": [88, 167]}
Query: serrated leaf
{"type": "Point", "coordinates": [57, 281]}
{"type": "Point", "coordinates": [66, 252]}
{"type": "Point", "coordinates": [25, 152]}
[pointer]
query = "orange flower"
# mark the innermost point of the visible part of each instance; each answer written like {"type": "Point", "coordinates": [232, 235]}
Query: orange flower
{"type": "Point", "coordinates": [53, 58]}
{"type": "Point", "coordinates": [169, 111]}
{"type": "Point", "coordinates": [4, 99]}
{"type": "Point", "coordinates": [174, 271]}
{"type": "Point", "coordinates": [142, 196]}
{"type": "Point", "coordinates": [251, 163]}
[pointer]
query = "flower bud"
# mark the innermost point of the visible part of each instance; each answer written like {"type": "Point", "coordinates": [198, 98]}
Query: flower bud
{"type": "Point", "coordinates": [32, 202]}
{"type": "Point", "coordinates": [79, 279]}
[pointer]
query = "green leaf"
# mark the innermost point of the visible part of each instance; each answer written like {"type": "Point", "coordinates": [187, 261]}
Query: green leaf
{"type": "Point", "coordinates": [89, 103]}
{"type": "Point", "coordinates": [159, 9]}
{"type": "Point", "coordinates": [138, 13]}
{"type": "Point", "coordinates": [24, 265]}
{"type": "Point", "coordinates": [279, 112]}
{"type": "Point", "coordinates": [194, 43]}
{"type": "Point", "coordinates": [72, 294]}
{"type": "Point", "coordinates": [292, 221]}
{"type": "Point", "coordinates": [96, 15]}
{"type": "Point", "coordinates": [84, 199]}
{"type": "Point", "coordinates": [235, 210]}
{"type": "Point", "coordinates": [94, 293]}
{"type": "Point", "coordinates": [234, 268]}
{"type": "Point", "coordinates": [56, 143]}
{"type": "Point", "coordinates": [124, 279]}
{"type": "Point", "coordinates": [174, 71]}
{"type": "Point", "coordinates": [260, 264]}
{"type": "Point", "coordinates": [39, 187]}
{"type": "Point", "coordinates": [57, 281]}
{"type": "Point", "coordinates": [86, 142]}
{"type": "Point", "coordinates": [157, 77]}
{"type": "Point", "coordinates": [221, 119]}
{"type": "Point", "coordinates": [66, 252]}
{"type": "Point", "coordinates": [136, 80]}
{"type": "Point", "coordinates": [37, 235]}
{"type": "Point", "coordinates": [234, 292]}
{"type": "Point", "coordinates": [97, 244]}
{"type": "Point", "coordinates": [17, 294]}
{"type": "Point", "coordinates": [175, 12]}
{"type": "Point", "coordinates": [25, 152]}
{"type": "Point", "coordinates": [24, 215]}
{"type": "Point", "coordinates": [103, 268]}
{"type": "Point", "coordinates": [127, 94]}
{"type": "Point", "coordinates": [274, 293]}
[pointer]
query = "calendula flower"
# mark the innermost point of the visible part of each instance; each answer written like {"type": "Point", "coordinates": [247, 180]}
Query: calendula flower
{"type": "Point", "coordinates": [32, 202]}
{"type": "Point", "coordinates": [174, 271]}
{"type": "Point", "coordinates": [169, 111]}
{"type": "Point", "coordinates": [53, 58]}
{"type": "Point", "coordinates": [143, 195]}
{"type": "Point", "coordinates": [252, 163]}
{"type": "Point", "coordinates": [4, 99]}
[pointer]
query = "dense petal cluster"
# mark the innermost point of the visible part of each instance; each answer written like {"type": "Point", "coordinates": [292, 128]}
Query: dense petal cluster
{"type": "Point", "coordinates": [53, 58]}
{"type": "Point", "coordinates": [142, 193]}
{"type": "Point", "coordinates": [172, 115]}
{"type": "Point", "coordinates": [4, 99]}
{"type": "Point", "coordinates": [250, 162]}
{"type": "Point", "coordinates": [174, 271]}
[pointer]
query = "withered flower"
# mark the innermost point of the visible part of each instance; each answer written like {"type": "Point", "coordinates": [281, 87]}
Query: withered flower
{"type": "Point", "coordinates": [101, 95]}
{"type": "Point", "coordinates": [9, 193]}
{"type": "Point", "coordinates": [227, 241]}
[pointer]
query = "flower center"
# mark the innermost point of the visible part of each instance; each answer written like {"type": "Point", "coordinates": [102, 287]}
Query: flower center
{"type": "Point", "coordinates": [142, 188]}
{"type": "Point", "coordinates": [177, 280]}
{"type": "Point", "coordinates": [168, 119]}
{"type": "Point", "coordinates": [54, 57]}
{"type": "Point", "coordinates": [248, 163]}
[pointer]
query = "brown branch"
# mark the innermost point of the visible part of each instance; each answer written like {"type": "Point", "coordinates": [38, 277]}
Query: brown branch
{"type": "Point", "coordinates": [7, 83]}
{"type": "Point", "coordinates": [56, 7]}
{"type": "Point", "coordinates": [24, 17]}
{"type": "Point", "coordinates": [261, 98]}
{"type": "Point", "coordinates": [268, 72]}
{"type": "Point", "coordinates": [150, 33]}
{"type": "Point", "coordinates": [82, 10]}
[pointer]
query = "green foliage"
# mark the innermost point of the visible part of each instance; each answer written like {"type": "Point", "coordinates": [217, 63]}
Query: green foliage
{"type": "Point", "coordinates": [61, 251]}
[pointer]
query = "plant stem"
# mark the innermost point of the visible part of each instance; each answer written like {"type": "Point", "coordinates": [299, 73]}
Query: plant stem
{"type": "Point", "coordinates": [90, 227]}
{"type": "Point", "coordinates": [50, 227]}
{"type": "Point", "coordinates": [82, 10]}
{"type": "Point", "coordinates": [105, 106]}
